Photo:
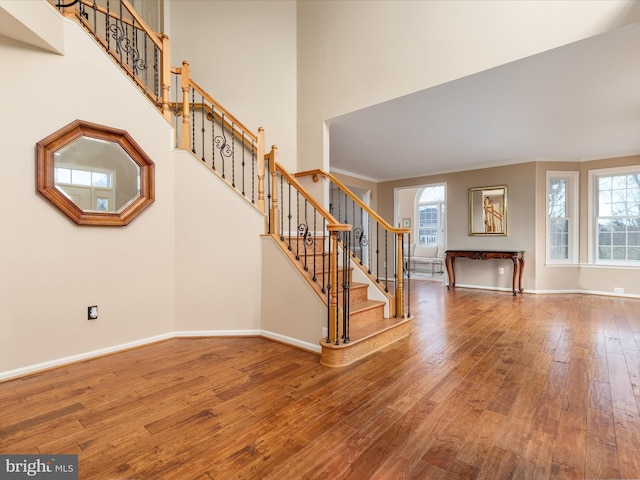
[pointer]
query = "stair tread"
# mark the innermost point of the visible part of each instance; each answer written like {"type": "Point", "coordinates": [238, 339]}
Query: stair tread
{"type": "Point", "coordinates": [365, 305]}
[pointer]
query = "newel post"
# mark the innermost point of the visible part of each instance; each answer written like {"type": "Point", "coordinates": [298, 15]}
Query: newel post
{"type": "Point", "coordinates": [185, 137]}
{"type": "Point", "coordinates": [399, 277]}
{"type": "Point", "coordinates": [69, 12]}
{"type": "Point", "coordinates": [334, 321]}
{"type": "Point", "coordinates": [274, 213]}
{"type": "Point", "coordinates": [260, 152]}
{"type": "Point", "coordinates": [165, 68]}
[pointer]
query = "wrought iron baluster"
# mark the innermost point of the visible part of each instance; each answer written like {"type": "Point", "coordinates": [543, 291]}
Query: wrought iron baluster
{"type": "Point", "coordinates": [386, 261]}
{"type": "Point", "coordinates": [134, 41]}
{"type": "Point", "coordinates": [353, 222]}
{"type": "Point", "coordinates": [297, 220]}
{"type": "Point", "coordinates": [328, 290]}
{"type": "Point", "coordinates": [369, 246]}
{"type": "Point", "coordinates": [202, 130]}
{"type": "Point", "coordinates": [213, 138]}
{"type": "Point", "coordinates": [306, 236]}
{"type": "Point", "coordinates": [253, 171]}
{"type": "Point", "coordinates": [377, 252]}
{"type": "Point", "coordinates": [95, 18]}
{"type": "Point", "coordinates": [193, 120]}
{"type": "Point", "coordinates": [289, 215]}
{"type": "Point", "coordinates": [233, 154]}
{"type": "Point", "coordinates": [324, 254]}
{"type": "Point", "coordinates": [155, 68]}
{"type": "Point", "coordinates": [315, 243]}
{"type": "Point", "coordinates": [405, 254]}
{"type": "Point", "coordinates": [221, 144]}
{"type": "Point", "coordinates": [346, 290]}
{"type": "Point", "coordinates": [106, 25]}
{"type": "Point", "coordinates": [268, 171]}
{"type": "Point", "coordinates": [177, 130]}
{"type": "Point", "coordinates": [243, 150]}
{"type": "Point", "coordinates": [282, 211]}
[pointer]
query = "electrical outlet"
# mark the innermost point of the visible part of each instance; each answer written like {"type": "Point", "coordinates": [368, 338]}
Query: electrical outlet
{"type": "Point", "coordinates": [92, 312]}
{"type": "Point", "coordinates": [618, 290]}
{"type": "Point", "coordinates": [501, 271]}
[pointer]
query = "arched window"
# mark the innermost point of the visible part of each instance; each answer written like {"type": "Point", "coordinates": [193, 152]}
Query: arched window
{"type": "Point", "coordinates": [430, 212]}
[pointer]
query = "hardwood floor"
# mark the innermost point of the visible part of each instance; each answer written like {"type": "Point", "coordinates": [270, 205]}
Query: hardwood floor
{"type": "Point", "coordinates": [489, 386]}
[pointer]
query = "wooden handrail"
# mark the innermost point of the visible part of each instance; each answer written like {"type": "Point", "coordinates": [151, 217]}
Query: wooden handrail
{"type": "Point", "coordinates": [344, 188]}
{"type": "Point", "coordinates": [332, 221]}
{"type": "Point", "coordinates": [210, 111]}
{"type": "Point", "coordinates": [230, 118]}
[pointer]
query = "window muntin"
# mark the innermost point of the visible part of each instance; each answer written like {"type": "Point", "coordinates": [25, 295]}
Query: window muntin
{"type": "Point", "coordinates": [616, 221]}
{"type": "Point", "coordinates": [562, 217]}
{"type": "Point", "coordinates": [430, 213]}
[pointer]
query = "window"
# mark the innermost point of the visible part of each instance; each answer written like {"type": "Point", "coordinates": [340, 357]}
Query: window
{"type": "Point", "coordinates": [430, 215]}
{"type": "Point", "coordinates": [615, 232]}
{"type": "Point", "coordinates": [562, 217]}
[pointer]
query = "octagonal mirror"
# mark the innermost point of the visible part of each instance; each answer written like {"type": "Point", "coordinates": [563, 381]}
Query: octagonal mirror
{"type": "Point", "coordinates": [94, 174]}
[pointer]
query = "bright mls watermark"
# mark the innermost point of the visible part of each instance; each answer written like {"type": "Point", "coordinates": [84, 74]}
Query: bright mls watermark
{"type": "Point", "coordinates": [49, 467]}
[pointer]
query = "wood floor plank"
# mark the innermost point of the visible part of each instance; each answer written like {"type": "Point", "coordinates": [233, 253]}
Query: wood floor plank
{"type": "Point", "coordinates": [600, 449]}
{"type": "Point", "coordinates": [627, 428]}
{"type": "Point", "coordinates": [487, 386]}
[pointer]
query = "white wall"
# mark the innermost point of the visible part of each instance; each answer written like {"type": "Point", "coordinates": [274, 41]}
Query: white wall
{"type": "Point", "coordinates": [353, 54]}
{"type": "Point", "coordinates": [244, 55]}
{"type": "Point", "coordinates": [290, 307]}
{"type": "Point", "coordinates": [218, 252]}
{"type": "Point", "coordinates": [189, 263]}
{"type": "Point", "coordinates": [53, 269]}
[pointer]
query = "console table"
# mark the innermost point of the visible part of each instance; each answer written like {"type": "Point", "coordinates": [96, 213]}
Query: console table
{"type": "Point", "coordinates": [517, 256]}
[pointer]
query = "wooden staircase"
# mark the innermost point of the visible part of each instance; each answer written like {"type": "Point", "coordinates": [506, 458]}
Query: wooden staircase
{"type": "Point", "coordinates": [369, 330]}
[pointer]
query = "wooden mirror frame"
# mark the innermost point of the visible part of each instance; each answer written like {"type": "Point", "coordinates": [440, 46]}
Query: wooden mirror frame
{"type": "Point", "coordinates": [45, 183]}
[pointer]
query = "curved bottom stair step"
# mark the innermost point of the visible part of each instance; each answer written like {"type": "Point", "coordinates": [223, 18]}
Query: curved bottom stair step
{"type": "Point", "coordinates": [369, 339]}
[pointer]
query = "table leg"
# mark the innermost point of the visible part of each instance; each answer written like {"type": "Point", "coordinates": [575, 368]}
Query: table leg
{"type": "Point", "coordinates": [521, 269]}
{"type": "Point", "coordinates": [451, 273]}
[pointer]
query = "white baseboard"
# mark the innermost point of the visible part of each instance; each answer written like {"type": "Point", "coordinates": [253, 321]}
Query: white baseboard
{"type": "Point", "coordinates": [38, 367]}
{"type": "Point", "coordinates": [553, 292]}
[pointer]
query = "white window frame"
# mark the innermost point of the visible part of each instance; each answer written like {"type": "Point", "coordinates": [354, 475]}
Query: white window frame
{"type": "Point", "coordinates": [441, 212]}
{"type": "Point", "coordinates": [593, 200]}
{"type": "Point", "coordinates": [572, 201]}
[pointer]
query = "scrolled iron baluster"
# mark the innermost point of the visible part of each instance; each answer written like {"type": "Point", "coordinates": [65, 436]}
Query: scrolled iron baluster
{"type": "Point", "coordinates": [305, 235]}
{"type": "Point", "coordinates": [223, 147]}
{"type": "Point", "coordinates": [362, 240]}
{"type": "Point", "coordinates": [123, 46]}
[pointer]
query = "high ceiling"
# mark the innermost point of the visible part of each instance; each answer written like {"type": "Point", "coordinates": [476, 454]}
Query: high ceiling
{"type": "Point", "coordinates": [577, 102]}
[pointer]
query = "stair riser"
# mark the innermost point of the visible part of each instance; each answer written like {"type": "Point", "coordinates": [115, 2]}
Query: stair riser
{"type": "Point", "coordinates": [356, 294]}
{"type": "Point", "coordinates": [369, 314]}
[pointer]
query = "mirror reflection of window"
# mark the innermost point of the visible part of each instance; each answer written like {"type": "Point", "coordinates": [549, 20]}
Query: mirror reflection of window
{"type": "Point", "coordinates": [102, 204]}
{"type": "Point", "coordinates": [90, 189]}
